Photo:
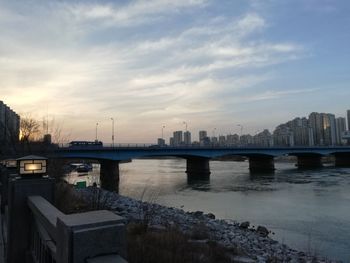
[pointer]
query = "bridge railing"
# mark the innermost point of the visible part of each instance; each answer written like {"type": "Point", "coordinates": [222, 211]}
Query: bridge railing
{"type": "Point", "coordinates": [192, 146]}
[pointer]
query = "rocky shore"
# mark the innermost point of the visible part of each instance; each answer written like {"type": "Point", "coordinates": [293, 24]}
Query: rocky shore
{"type": "Point", "coordinates": [254, 243]}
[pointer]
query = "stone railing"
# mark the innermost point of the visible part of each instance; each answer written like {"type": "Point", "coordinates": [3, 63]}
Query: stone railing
{"type": "Point", "coordinates": [36, 231]}
{"type": "Point", "coordinates": [56, 237]}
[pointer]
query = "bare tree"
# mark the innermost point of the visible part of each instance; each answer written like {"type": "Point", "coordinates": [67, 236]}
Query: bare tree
{"type": "Point", "coordinates": [29, 128]}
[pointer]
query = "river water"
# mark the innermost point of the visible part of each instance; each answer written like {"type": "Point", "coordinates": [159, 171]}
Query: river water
{"type": "Point", "coordinates": [307, 210]}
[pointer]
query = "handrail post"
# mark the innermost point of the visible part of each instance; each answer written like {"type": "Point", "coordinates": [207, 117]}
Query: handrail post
{"type": "Point", "coordinates": [19, 217]}
{"type": "Point", "coordinates": [87, 235]}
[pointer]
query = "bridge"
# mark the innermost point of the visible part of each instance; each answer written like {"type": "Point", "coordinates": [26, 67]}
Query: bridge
{"type": "Point", "coordinates": [261, 159]}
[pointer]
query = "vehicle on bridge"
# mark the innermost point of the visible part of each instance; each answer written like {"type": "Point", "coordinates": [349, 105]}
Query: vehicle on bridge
{"type": "Point", "coordinates": [86, 144]}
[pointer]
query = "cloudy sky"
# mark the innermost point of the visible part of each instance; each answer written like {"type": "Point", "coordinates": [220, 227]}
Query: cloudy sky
{"type": "Point", "coordinates": [149, 63]}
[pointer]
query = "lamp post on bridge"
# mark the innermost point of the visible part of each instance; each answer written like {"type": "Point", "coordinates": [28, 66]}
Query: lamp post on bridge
{"type": "Point", "coordinates": [112, 132]}
{"type": "Point", "coordinates": [163, 131]}
{"type": "Point", "coordinates": [96, 132]}
{"type": "Point", "coordinates": [239, 125]}
{"type": "Point", "coordinates": [185, 123]}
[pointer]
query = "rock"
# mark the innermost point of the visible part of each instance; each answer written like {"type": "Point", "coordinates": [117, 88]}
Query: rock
{"type": "Point", "coordinates": [211, 216]}
{"type": "Point", "coordinates": [198, 213]}
{"type": "Point", "coordinates": [262, 231]}
{"type": "Point", "coordinates": [244, 225]}
{"type": "Point", "coordinates": [248, 246]}
{"type": "Point", "coordinates": [242, 259]}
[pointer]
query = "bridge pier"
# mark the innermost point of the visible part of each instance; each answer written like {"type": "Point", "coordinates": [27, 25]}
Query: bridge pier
{"type": "Point", "coordinates": [342, 159]}
{"type": "Point", "coordinates": [197, 168]}
{"type": "Point", "coordinates": [262, 163]}
{"type": "Point", "coordinates": [109, 175]}
{"type": "Point", "coordinates": [309, 161]}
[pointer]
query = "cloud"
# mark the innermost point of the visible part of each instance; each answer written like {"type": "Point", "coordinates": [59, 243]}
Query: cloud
{"type": "Point", "coordinates": [89, 61]}
{"type": "Point", "coordinates": [132, 14]}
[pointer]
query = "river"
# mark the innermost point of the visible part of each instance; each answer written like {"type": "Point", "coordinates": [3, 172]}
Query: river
{"type": "Point", "coordinates": [308, 210]}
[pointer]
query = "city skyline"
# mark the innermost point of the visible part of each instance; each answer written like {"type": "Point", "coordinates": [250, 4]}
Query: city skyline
{"type": "Point", "coordinates": [152, 63]}
{"type": "Point", "coordinates": [318, 129]}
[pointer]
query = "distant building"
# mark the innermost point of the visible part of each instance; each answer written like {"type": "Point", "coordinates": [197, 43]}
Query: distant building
{"type": "Point", "coordinates": [222, 140]}
{"type": "Point", "coordinates": [324, 128]}
{"type": "Point", "coordinates": [296, 132]}
{"type": "Point", "coordinates": [340, 128]}
{"type": "Point", "coordinates": [246, 140]}
{"type": "Point", "coordinates": [177, 135]}
{"type": "Point", "coordinates": [9, 125]}
{"type": "Point", "coordinates": [283, 136]}
{"type": "Point", "coordinates": [348, 117]}
{"type": "Point", "coordinates": [232, 140]}
{"type": "Point", "coordinates": [187, 138]}
{"type": "Point", "coordinates": [161, 142]}
{"type": "Point", "coordinates": [329, 129]}
{"type": "Point", "coordinates": [205, 141]}
{"type": "Point", "coordinates": [263, 139]}
{"type": "Point", "coordinates": [202, 135]}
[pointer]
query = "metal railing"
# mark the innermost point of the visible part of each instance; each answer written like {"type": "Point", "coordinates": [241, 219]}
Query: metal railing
{"type": "Point", "coordinates": [191, 146]}
{"type": "Point", "coordinates": [43, 230]}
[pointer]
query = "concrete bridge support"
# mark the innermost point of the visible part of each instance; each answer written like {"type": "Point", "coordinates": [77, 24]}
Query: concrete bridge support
{"type": "Point", "coordinates": [198, 168]}
{"type": "Point", "coordinates": [309, 161]}
{"type": "Point", "coordinates": [342, 159]}
{"type": "Point", "coordinates": [261, 163]}
{"type": "Point", "coordinates": [109, 175]}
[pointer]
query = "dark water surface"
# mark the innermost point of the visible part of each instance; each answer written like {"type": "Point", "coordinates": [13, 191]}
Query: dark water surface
{"type": "Point", "coordinates": [307, 210]}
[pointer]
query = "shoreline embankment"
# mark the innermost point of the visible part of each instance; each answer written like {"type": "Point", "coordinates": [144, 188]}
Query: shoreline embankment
{"type": "Point", "coordinates": [254, 243]}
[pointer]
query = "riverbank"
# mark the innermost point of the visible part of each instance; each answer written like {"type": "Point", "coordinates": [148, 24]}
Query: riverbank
{"type": "Point", "coordinates": [254, 243]}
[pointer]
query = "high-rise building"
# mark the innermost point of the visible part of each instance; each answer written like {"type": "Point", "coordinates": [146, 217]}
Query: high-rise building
{"type": "Point", "coordinates": [232, 139]}
{"type": "Point", "coordinates": [348, 115]}
{"type": "Point", "coordinates": [324, 128]}
{"type": "Point", "coordinates": [329, 129]}
{"type": "Point", "coordinates": [264, 139]}
{"type": "Point", "coordinates": [222, 140]}
{"type": "Point", "coordinates": [177, 135]}
{"type": "Point", "coordinates": [187, 138]}
{"type": "Point", "coordinates": [202, 135]}
{"type": "Point", "coordinates": [316, 124]}
{"type": "Point", "coordinates": [340, 128]}
{"type": "Point", "coordinates": [9, 125]}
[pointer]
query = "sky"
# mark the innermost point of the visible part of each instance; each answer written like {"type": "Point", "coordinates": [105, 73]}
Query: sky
{"type": "Point", "coordinates": [152, 63]}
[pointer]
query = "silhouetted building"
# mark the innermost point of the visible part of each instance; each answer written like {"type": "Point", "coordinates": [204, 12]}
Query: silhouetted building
{"type": "Point", "coordinates": [222, 140]}
{"type": "Point", "coordinates": [9, 125]}
{"type": "Point", "coordinates": [202, 135]}
{"type": "Point", "coordinates": [187, 138]}
{"type": "Point", "coordinates": [341, 128]}
{"type": "Point", "coordinates": [232, 139]}
{"type": "Point", "coordinates": [177, 135]}
{"type": "Point", "coordinates": [161, 142]}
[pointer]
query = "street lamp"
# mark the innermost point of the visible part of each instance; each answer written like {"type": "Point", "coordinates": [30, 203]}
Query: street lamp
{"type": "Point", "coordinates": [241, 128]}
{"type": "Point", "coordinates": [32, 165]}
{"type": "Point", "coordinates": [96, 132]}
{"type": "Point", "coordinates": [163, 131]}
{"type": "Point", "coordinates": [185, 123]}
{"type": "Point", "coordinates": [214, 132]}
{"type": "Point", "coordinates": [112, 132]}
